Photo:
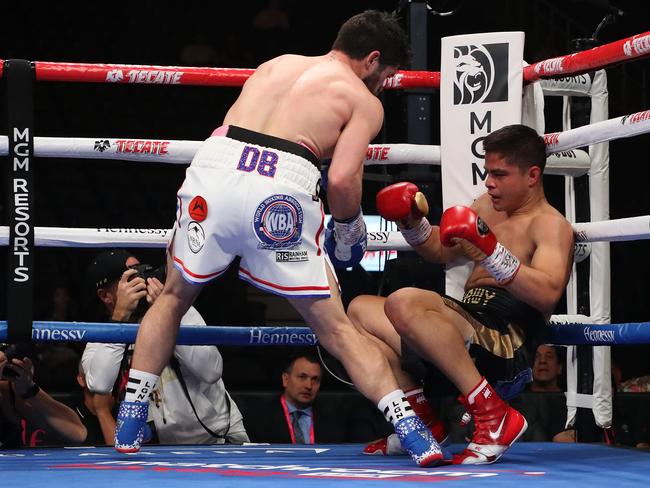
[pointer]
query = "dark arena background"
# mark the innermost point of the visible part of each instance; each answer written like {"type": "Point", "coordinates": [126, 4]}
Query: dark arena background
{"type": "Point", "coordinates": [126, 195]}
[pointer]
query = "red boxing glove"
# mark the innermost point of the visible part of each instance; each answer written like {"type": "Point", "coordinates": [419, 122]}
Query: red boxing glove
{"type": "Point", "coordinates": [462, 226]}
{"type": "Point", "coordinates": [402, 202]}
{"type": "Point", "coordinates": [463, 223]}
{"type": "Point", "coordinates": [405, 204]}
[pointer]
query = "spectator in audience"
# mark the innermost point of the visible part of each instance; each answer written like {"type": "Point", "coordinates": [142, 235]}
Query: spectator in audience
{"type": "Point", "coordinates": [190, 403]}
{"type": "Point", "coordinates": [547, 369]}
{"type": "Point", "coordinates": [56, 362]}
{"type": "Point", "coordinates": [62, 307]}
{"type": "Point", "coordinates": [23, 406]}
{"type": "Point", "coordinates": [546, 414]}
{"type": "Point", "coordinates": [294, 417]}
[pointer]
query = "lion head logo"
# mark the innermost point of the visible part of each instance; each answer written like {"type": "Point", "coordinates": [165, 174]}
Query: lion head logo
{"type": "Point", "coordinates": [474, 74]}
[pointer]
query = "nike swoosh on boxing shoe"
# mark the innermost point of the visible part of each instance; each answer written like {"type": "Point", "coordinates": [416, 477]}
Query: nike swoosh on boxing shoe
{"type": "Point", "coordinates": [497, 433]}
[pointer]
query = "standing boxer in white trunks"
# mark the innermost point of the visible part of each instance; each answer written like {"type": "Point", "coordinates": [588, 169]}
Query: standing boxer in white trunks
{"type": "Point", "coordinates": [252, 191]}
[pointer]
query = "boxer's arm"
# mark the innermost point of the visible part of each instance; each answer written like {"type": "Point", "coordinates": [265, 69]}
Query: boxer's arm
{"type": "Point", "coordinates": [346, 169]}
{"type": "Point", "coordinates": [432, 250]}
{"type": "Point", "coordinates": [542, 283]}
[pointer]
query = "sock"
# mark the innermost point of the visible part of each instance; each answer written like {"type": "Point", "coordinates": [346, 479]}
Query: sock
{"type": "Point", "coordinates": [420, 405]}
{"type": "Point", "coordinates": [139, 386]}
{"type": "Point", "coordinates": [395, 407]}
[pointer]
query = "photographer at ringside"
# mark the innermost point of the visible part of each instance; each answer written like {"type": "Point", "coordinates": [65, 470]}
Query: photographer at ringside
{"type": "Point", "coordinates": [190, 404]}
{"type": "Point", "coordinates": [23, 404]}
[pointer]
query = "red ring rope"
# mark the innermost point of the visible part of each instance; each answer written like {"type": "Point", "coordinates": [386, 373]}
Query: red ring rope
{"type": "Point", "coordinates": [634, 47]}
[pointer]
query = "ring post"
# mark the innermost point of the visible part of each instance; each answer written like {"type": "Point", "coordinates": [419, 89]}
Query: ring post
{"type": "Point", "coordinates": [19, 79]}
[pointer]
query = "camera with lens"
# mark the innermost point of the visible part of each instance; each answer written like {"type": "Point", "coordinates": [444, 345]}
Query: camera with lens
{"type": "Point", "coordinates": [145, 271]}
{"type": "Point", "coordinates": [14, 351]}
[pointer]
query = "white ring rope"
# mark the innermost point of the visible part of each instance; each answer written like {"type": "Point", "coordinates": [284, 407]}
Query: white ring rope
{"type": "Point", "coordinates": [628, 229]}
{"type": "Point", "coordinates": [570, 163]}
{"type": "Point", "coordinates": [607, 130]}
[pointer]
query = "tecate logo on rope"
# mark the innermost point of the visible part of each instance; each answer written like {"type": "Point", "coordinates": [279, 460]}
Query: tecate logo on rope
{"type": "Point", "coordinates": [599, 335]}
{"type": "Point", "coordinates": [377, 153]}
{"type": "Point", "coordinates": [552, 139]}
{"type": "Point", "coordinates": [635, 118]}
{"type": "Point", "coordinates": [142, 146]}
{"type": "Point", "coordinates": [394, 81]}
{"type": "Point", "coordinates": [153, 77]}
{"type": "Point", "coordinates": [637, 46]}
{"type": "Point", "coordinates": [550, 66]}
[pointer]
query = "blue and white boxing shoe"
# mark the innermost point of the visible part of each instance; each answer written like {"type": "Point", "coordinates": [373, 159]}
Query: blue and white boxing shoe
{"type": "Point", "coordinates": [417, 440]}
{"type": "Point", "coordinates": [131, 429]}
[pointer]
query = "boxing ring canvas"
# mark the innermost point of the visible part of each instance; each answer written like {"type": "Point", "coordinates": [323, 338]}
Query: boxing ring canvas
{"type": "Point", "coordinates": [532, 464]}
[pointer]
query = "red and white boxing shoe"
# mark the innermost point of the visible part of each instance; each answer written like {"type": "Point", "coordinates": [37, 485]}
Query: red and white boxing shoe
{"type": "Point", "coordinates": [496, 426]}
{"type": "Point", "coordinates": [391, 446]}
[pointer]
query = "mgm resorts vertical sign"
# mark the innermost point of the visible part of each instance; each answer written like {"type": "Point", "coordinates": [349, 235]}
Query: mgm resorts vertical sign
{"type": "Point", "coordinates": [481, 85]}
{"type": "Point", "coordinates": [19, 77]}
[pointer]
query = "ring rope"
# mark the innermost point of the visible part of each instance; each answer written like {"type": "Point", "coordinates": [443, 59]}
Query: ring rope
{"type": "Point", "coordinates": [558, 333]}
{"type": "Point", "coordinates": [633, 47]}
{"type": "Point", "coordinates": [44, 331]}
{"type": "Point", "coordinates": [182, 152]}
{"type": "Point", "coordinates": [187, 75]}
{"type": "Point", "coordinates": [566, 163]}
{"type": "Point", "coordinates": [627, 229]}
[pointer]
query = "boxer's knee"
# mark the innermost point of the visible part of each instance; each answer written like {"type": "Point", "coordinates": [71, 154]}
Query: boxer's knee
{"type": "Point", "coordinates": [400, 307]}
{"type": "Point", "coordinates": [406, 304]}
{"type": "Point", "coordinates": [359, 309]}
{"type": "Point", "coordinates": [356, 308]}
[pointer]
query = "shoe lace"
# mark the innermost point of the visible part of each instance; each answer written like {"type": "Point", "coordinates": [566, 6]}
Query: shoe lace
{"type": "Point", "coordinates": [483, 422]}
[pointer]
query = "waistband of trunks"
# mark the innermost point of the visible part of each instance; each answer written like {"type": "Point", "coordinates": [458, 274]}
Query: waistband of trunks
{"type": "Point", "coordinates": [259, 139]}
{"type": "Point", "coordinates": [224, 152]}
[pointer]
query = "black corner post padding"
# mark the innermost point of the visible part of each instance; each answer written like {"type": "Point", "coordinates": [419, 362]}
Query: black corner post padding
{"type": "Point", "coordinates": [19, 78]}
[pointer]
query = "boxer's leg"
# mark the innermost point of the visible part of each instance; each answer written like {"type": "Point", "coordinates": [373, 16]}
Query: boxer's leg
{"type": "Point", "coordinates": [153, 347]}
{"type": "Point", "coordinates": [369, 370]}
{"type": "Point", "coordinates": [438, 333]}
{"type": "Point", "coordinates": [367, 314]}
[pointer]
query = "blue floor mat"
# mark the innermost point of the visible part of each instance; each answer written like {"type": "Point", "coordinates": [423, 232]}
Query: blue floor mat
{"type": "Point", "coordinates": [538, 464]}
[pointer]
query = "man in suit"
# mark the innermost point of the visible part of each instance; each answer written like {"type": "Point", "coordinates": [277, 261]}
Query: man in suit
{"type": "Point", "coordinates": [294, 416]}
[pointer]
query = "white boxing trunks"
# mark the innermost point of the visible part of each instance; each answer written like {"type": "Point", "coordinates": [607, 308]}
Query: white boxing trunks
{"type": "Point", "coordinates": [255, 196]}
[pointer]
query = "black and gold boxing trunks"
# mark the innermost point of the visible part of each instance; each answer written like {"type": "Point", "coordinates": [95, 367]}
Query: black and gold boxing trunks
{"type": "Point", "coordinates": [506, 332]}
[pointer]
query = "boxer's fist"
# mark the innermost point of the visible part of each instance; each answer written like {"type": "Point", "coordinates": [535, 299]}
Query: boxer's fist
{"type": "Point", "coordinates": [462, 226]}
{"type": "Point", "coordinates": [402, 203]}
{"type": "Point", "coordinates": [346, 241]}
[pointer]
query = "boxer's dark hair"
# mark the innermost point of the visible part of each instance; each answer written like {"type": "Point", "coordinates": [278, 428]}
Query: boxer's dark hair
{"type": "Point", "coordinates": [519, 145]}
{"type": "Point", "coordinates": [373, 30]}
